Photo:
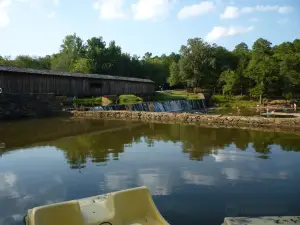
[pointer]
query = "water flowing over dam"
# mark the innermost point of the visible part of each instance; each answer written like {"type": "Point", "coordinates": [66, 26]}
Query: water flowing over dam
{"type": "Point", "coordinates": [168, 106]}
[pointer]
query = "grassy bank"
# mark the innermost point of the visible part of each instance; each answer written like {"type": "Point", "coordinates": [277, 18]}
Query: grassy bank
{"type": "Point", "coordinates": [233, 101]}
{"type": "Point", "coordinates": [88, 101]}
{"type": "Point", "coordinates": [129, 99]}
{"type": "Point", "coordinates": [175, 95]}
{"type": "Point", "coordinates": [132, 99]}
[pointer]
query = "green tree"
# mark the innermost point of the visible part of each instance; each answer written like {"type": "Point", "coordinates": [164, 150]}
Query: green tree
{"type": "Point", "coordinates": [261, 68]}
{"type": "Point", "coordinates": [95, 53]}
{"type": "Point", "coordinates": [229, 80]}
{"type": "Point", "coordinates": [175, 78]}
{"type": "Point", "coordinates": [72, 49]}
{"type": "Point", "coordinates": [288, 60]}
{"type": "Point", "coordinates": [81, 65]}
{"type": "Point", "coordinates": [242, 55]}
{"type": "Point", "coordinates": [197, 63]}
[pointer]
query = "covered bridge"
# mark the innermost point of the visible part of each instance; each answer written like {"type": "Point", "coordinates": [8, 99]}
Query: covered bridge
{"type": "Point", "coordinates": [23, 80]}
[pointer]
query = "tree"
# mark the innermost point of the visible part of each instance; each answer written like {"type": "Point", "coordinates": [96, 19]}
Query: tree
{"type": "Point", "coordinates": [261, 71]}
{"type": "Point", "coordinates": [175, 78]}
{"type": "Point", "coordinates": [288, 59]}
{"type": "Point", "coordinates": [73, 45]}
{"type": "Point", "coordinates": [197, 63]}
{"type": "Point", "coordinates": [225, 60]}
{"type": "Point", "coordinates": [262, 67]}
{"type": "Point", "coordinates": [242, 55]}
{"type": "Point", "coordinates": [229, 80]}
{"type": "Point", "coordinates": [81, 65]}
{"type": "Point", "coordinates": [72, 49]}
{"type": "Point", "coordinates": [95, 53]}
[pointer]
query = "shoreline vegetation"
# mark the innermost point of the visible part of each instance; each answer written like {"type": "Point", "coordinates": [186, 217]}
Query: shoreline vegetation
{"type": "Point", "coordinates": [219, 101]}
{"type": "Point", "coordinates": [132, 99]}
{"type": "Point", "coordinates": [260, 71]}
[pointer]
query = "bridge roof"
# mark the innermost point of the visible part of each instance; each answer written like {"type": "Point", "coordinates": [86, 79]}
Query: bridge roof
{"type": "Point", "coordinates": [68, 74]}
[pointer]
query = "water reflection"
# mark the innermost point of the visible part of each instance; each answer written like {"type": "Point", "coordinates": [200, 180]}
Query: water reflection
{"type": "Point", "coordinates": [197, 175]}
{"type": "Point", "coordinates": [196, 142]}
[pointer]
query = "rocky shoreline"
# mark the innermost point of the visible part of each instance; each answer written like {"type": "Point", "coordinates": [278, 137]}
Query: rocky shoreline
{"type": "Point", "coordinates": [220, 120]}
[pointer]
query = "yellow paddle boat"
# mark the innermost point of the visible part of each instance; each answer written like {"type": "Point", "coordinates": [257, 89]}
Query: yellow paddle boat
{"type": "Point", "coordinates": [128, 207]}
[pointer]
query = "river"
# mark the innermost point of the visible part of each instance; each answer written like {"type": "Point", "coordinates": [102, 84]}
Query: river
{"type": "Point", "coordinates": [197, 175]}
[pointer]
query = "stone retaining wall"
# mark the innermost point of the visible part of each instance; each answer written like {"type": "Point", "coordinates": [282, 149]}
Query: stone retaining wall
{"type": "Point", "coordinates": [13, 106]}
{"type": "Point", "coordinates": [233, 121]}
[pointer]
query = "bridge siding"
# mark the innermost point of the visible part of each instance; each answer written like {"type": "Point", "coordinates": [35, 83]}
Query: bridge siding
{"type": "Point", "coordinates": [16, 82]}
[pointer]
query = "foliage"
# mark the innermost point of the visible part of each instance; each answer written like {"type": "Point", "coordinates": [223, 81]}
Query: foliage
{"type": "Point", "coordinates": [262, 67]}
{"type": "Point", "coordinates": [261, 72]}
{"type": "Point", "coordinates": [197, 63]}
{"type": "Point", "coordinates": [88, 101]}
{"type": "Point", "coordinates": [129, 99]}
{"type": "Point", "coordinates": [226, 101]}
{"type": "Point", "coordinates": [229, 78]}
{"type": "Point", "coordinates": [174, 78]}
{"type": "Point", "coordinates": [81, 65]}
{"type": "Point", "coordinates": [174, 95]}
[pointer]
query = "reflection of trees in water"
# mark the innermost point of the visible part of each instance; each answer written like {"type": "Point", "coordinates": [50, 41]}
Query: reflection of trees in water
{"type": "Point", "coordinates": [97, 147]}
{"type": "Point", "coordinates": [196, 141]}
{"type": "Point", "coordinates": [26, 132]}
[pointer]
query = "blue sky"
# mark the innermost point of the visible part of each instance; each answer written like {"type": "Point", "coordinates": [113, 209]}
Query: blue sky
{"type": "Point", "coordinates": [37, 27]}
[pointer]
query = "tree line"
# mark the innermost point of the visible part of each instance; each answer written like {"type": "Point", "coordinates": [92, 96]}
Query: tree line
{"type": "Point", "coordinates": [262, 71]}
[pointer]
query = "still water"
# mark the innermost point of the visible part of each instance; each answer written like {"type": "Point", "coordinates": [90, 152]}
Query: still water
{"type": "Point", "coordinates": [196, 175]}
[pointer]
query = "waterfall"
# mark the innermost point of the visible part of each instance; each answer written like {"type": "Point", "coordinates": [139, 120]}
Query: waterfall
{"type": "Point", "coordinates": [168, 106]}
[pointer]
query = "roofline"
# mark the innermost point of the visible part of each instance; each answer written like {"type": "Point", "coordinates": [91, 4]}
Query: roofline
{"type": "Point", "coordinates": [69, 74]}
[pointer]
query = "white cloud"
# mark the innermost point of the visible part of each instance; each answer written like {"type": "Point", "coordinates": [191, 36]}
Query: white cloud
{"type": "Point", "coordinates": [8, 182]}
{"type": "Point", "coordinates": [56, 2]}
{"type": "Point", "coordinates": [196, 10]}
{"type": "Point", "coordinates": [4, 4]}
{"type": "Point", "coordinates": [219, 32]}
{"type": "Point", "coordinates": [190, 177]}
{"type": "Point", "coordinates": [247, 10]}
{"type": "Point", "coordinates": [51, 15]}
{"type": "Point", "coordinates": [224, 157]}
{"type": "Point", "coordinates": [232, 12]}
{"type": "Point", "coordinates": [264, 8]}
{"type": "Point", "coordinates": [151, 10]}
{"type": "Point", "coordinates": [37, 4]}
{"type": "Point", "coordinates": [231, 173]}
{"type": "Point", "coordinates": [117, 181]}
{"type": "Point", "coordinates": [159, 183]}
{"type": "Point", "coordinates": [283, 21]}
{"type": "Point", "coordinates": [285, 9]}
{"type": "Point", "coordinates": [4, 17]}
{"type": "Point", "coordinates": [110, 9]}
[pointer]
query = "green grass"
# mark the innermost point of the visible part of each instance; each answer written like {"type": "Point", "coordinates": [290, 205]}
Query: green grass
{"type": "Point", "coordinates": [233, 101]}
{"type": "Point", "coordinates": [129, 99]}
{"type": "Point", "coordinates": [88, 101]}
{"type": "Point", "coordinates": [174, 95]}
{"type": "Point", "coordinates": [132, 99]}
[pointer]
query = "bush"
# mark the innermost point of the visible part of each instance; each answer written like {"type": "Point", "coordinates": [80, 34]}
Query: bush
{"type": "Point", "coordinates": [129, 99]}
{"type": "Point", "coordinates": [288, 96]}
{"type": "Point", "coordinates": [233, 101]}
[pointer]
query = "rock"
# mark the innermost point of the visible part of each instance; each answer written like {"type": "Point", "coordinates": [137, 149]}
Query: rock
{"type": "Point", "coordinates": [228, 121]}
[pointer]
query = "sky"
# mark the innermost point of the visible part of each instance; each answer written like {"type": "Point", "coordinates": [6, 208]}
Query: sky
{"type": "Point", "coordinates": [37, 27]}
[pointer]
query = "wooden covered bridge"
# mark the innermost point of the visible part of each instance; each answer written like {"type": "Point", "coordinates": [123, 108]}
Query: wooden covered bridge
{"type": "Point", "coordinates": [23, 80]}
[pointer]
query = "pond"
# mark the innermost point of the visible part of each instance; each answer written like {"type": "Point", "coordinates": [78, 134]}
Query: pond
{"type": "Point", "coordinates": [197, 175]}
